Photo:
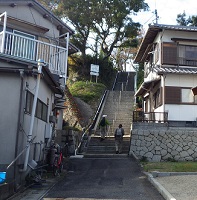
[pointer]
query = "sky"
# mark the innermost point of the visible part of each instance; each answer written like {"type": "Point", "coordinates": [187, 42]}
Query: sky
{"type": "Point", "coordinates": [167, 11]}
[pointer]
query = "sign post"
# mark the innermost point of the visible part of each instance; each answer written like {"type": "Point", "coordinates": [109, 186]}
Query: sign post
{"type": "Point", "coordinates": [94, 71]}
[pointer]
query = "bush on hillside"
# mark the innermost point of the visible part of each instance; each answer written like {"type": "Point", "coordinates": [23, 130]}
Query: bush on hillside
{"type": "Point", "coordinates": [87, 91]}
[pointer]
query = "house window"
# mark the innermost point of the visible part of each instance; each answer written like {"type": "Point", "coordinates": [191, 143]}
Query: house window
{"type": "Point", "coordinates": [29, 102]}
{"type": "Point", "coordinates": [177, 95]}
{"type": "Point", "coordinates": [187, 55]}
{"type": "Point", "coordinates": [156, 53]}
{"type": "Point", "coordinates": [187, 96]}
{"type": "Point", "coordinates": [157, 98]}
{"type": "Point", "coordinates": [41, 108]}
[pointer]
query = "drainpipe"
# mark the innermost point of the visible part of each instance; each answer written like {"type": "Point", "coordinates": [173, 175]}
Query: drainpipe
{"type": "Point", "coordinates": [29, 138]}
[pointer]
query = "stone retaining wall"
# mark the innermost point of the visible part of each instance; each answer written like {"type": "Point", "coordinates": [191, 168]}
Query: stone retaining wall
{"type": "Point", "coordinates": [159, 144]}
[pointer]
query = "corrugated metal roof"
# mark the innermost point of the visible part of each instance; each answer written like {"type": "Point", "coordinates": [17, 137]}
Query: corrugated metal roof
{"type": "Point", "coordinates": [177, 70]}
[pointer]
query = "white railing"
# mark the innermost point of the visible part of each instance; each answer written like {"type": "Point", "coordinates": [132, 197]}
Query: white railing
{"type": "Point", "coordinates": [24, 48]}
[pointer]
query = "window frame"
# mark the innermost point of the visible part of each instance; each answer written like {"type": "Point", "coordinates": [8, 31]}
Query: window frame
{"type": "Point", "coordinates": [41, 108]}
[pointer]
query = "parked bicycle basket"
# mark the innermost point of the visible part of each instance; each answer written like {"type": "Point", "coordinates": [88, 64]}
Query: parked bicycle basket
{"type": "Point", "coordinates": [2, 177]}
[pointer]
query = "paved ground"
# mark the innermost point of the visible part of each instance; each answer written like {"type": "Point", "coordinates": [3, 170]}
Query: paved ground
{"type": "Point", "coordinates": [82, 183]}
{"type": "Point", "coordinates": [180, 187]}
{"type": "Point", "coordinates": [104, 178]}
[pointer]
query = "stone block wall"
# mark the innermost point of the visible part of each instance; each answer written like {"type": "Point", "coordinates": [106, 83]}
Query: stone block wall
{"type": "Point", "coordinates": [163, 144]}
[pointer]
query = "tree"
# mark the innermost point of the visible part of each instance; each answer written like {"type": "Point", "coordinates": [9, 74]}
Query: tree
{"type": "Point", "coordinates": [109, 20]}
{"type": "Point", "coordinates": [49, 4]}
{"type": "Point", "coordinates": [183, 21]}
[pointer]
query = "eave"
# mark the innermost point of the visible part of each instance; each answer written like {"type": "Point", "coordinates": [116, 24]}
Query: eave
{"type": "Point", "coordinates": [145, 87]}
{"type": "Point", "coordinates": [42, 10]}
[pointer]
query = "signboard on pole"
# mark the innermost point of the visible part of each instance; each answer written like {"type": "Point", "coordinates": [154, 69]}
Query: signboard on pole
{"type": "Point", "coordinates": [94, 70]}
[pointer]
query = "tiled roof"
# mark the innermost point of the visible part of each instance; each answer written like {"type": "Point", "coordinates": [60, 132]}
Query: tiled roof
{"type": "Point", "coordinates": [178, 70]}
{"type": "Point", "coordinates": [174, 27]}
{"type": "Point", "coordinates": [152, 32]}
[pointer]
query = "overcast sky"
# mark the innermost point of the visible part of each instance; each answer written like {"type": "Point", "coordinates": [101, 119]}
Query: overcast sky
{"type": "Point", "coordinates": [167, 11]}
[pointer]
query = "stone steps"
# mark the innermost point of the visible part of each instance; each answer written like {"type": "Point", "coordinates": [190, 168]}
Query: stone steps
{"type": "Point", "coordinates": [106, 147]}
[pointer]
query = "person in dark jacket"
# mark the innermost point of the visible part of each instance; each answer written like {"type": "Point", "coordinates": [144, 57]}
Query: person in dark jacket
{"type": "Point", "coordinates": [119, 133]}
{"type": "Point", "coordinates": [103, 125]}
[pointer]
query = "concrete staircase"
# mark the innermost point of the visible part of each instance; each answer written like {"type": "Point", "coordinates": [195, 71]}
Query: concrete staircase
{"type": "Point", "coordinates": [106, 148]}
{"type": "Point", "coordinates": [119, 109]}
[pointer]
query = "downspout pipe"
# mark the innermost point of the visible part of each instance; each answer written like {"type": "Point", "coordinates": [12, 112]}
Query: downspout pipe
{"type": "Point", "coordinates": [29, 137]}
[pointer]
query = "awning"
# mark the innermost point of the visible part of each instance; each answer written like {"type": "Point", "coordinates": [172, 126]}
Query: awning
{"type": "Point", "coordinates": [145, 87]}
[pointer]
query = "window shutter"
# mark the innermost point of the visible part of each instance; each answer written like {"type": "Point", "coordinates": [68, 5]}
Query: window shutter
{"type": "Point", "coordinates": [172, 95]}
{"type": "Point", "coordinates": [169, 55]}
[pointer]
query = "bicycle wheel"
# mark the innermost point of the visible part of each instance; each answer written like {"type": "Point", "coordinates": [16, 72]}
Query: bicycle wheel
{"type": "Point", "coordinates": [55, 167]}
{"type": "Point", "coordinates": [60, 167]}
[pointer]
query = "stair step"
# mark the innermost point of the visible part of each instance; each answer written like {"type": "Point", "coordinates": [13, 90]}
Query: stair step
{"type": "Point", "coordinates": [112, 155]}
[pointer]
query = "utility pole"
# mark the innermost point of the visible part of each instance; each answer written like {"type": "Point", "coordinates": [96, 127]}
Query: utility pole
{"type": "Point", "coordinates": [156, 16]}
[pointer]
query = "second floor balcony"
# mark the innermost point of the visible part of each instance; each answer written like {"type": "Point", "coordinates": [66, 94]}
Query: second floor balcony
{"type": "Point", "coordinates": [20, 46]}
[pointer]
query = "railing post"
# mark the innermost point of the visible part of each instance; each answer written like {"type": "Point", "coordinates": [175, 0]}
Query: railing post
{"type": "Point", "coordinates": [66, 63]}
{"type": "Point", "coordinates": [4, 30]}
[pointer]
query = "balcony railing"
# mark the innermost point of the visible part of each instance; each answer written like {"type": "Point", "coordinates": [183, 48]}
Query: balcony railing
{"type": "Point", "coordinates": [140, 116]}
{"type": "Point", "coordinates": [31, 50]}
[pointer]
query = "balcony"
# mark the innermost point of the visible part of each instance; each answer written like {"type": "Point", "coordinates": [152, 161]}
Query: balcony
{"type": "Point", "coordinates": [19, 46]}
{"type": "Point", "coordinates": [156, 117]}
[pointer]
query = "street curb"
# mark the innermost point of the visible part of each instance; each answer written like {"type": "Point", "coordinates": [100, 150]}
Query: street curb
{"type": "Point", "coordinates": [159, 187]}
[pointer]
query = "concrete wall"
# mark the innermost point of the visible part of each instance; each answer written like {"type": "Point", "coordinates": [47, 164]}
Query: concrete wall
{"type": "Point", "coordinates": [159, 143]}
{"type": "Point", "coordinates": [9, 108]}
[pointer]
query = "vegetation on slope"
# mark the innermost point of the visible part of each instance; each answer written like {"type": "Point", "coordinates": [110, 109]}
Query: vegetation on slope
{"type": "Point", "coordinates": [87, 91]}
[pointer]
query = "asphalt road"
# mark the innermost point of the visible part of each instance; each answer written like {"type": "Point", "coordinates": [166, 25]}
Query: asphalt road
{"type": "Point", "coordinates": [104, 178]}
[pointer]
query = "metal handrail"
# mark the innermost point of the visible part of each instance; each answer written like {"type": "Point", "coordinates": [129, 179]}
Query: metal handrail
{"type": "Point", "coordinates": [141, 116]}
{"type": "Point", "coordinates": [115, 81]}
{"type": "Point", "coordinates": [88, 132]}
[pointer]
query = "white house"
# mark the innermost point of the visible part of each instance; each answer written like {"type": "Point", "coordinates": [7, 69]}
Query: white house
{"type": "Point", "coordinates": [34, 47]}
{"type": "Point", "coordinates": [169, 54]}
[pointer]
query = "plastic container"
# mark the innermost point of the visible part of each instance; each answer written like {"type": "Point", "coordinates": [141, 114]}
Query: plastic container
{"type": "Point", "coordinates": [2, 177]}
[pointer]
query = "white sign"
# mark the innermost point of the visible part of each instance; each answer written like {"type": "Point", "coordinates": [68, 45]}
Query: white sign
{"type": "Point", "coordinates": [94, 70]}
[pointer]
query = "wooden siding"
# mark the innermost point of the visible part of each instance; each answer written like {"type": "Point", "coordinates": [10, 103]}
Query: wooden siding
{"type": "Point", "coordinates": [169, 55]}
{"type": "Point", "coordinates": [172, 95]}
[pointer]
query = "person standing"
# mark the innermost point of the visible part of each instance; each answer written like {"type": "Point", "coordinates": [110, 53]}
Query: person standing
{"type": "Point", "coordinates": [103, 127]}
{"type": "Point", "coordinates": [119, 132]}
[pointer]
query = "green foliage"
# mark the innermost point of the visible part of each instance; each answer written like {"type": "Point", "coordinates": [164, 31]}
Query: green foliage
{"type": "Point", "coordinates": [70, 128]}
{"type": "Point", "coordinates": [87, 91]}
{"type": "Point", "coordinates": [170, 166]}
{"type": "Point", "coordinates": [184, 21]}
{"type": "Point", "coordinates": [82, 72]}
{"type": "Point", "coordinates": [109, 21]}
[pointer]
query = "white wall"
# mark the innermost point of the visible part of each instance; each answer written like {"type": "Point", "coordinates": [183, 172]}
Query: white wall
{"type": "Point", "coordinates": [181, 80]}
{"type": "Point", "coordinates": [181, 112]}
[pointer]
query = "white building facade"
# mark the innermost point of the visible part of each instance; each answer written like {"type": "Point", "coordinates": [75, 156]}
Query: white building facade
{"type": "Point", "coordinates": [34, 47]}
{"type": "Point", "coordinates": [169, 54]}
